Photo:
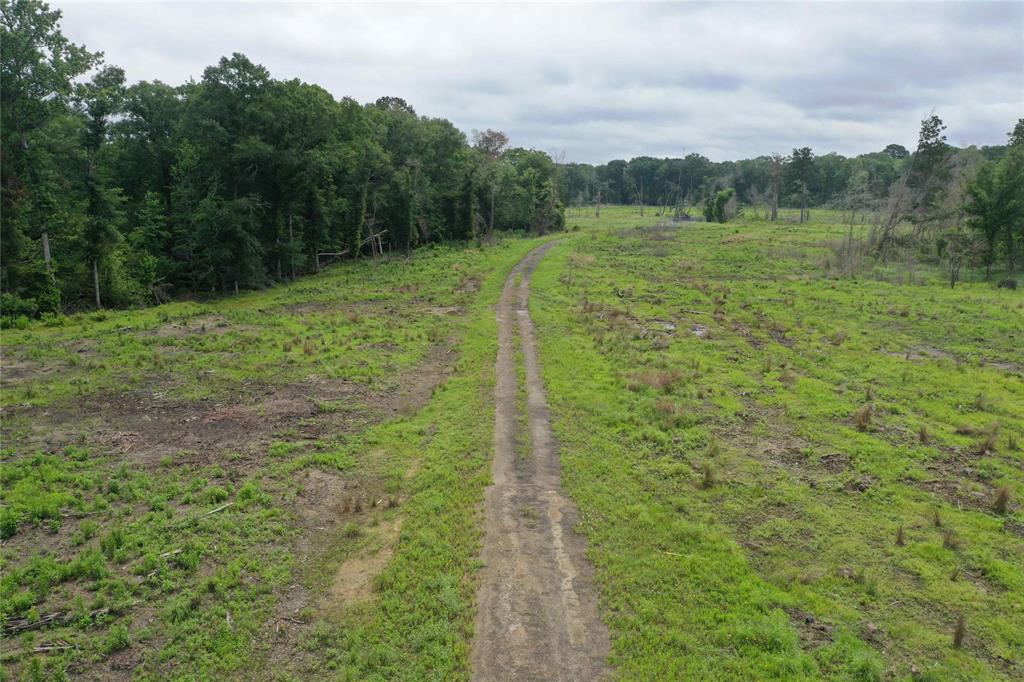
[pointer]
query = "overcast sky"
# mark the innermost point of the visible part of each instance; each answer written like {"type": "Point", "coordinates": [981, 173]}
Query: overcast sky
{"type": "Point", "coordinates": [603, 81]}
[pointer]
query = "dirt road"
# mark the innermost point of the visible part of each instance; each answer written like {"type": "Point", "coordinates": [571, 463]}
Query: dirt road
{"type": "Point", "coordinates": [537, 606]}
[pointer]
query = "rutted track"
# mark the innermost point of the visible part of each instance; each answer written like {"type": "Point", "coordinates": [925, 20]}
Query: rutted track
{"type": "Point", "coordinates": [537, 615]}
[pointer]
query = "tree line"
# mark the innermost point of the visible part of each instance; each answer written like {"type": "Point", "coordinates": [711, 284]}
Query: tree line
{"type": "Point", "coordinates": [117, 194]}
{"type": "Point", "coordinates": [958, 206]}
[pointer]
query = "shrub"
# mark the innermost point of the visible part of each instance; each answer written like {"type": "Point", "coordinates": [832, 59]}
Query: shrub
{"type": "Point", "coordinates": [9, 520]}
{"type": "Point", "coordinates": [112, 542]}
{"type": "Point", "coordinates": [215, 494]}
{"type": "Point", "coordinates": [117, 639]}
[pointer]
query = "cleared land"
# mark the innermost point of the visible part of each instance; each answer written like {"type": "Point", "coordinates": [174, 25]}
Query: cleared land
{"type": "Point", "coordinates": [780, 470]}
{"type": "Point", "coordinates": [339, 419]}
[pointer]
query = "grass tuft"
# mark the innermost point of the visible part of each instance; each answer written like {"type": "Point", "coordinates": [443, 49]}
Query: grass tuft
{"type": "Point", "coordinates": [959, 631]}
{"type": "Point", "coordinates": [862, 418]}
{"type": "Point", "coordinates": [709, 476]}
{"type": "Point", "coordinates": [1001, 503]}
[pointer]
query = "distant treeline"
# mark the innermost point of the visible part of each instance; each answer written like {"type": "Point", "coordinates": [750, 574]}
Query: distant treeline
{"type": "Point", "coordinates": [790, 179]}
{"type": "Point", "coordinates": [118, 195]}
{"type": "Point", "coordinates": [959, 207]}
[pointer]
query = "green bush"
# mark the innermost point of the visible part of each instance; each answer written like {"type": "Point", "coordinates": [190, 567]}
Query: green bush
{"type": "Point", "coordinates": [117, 639]}
{"type": "Point", "coordinates": [9, 520]}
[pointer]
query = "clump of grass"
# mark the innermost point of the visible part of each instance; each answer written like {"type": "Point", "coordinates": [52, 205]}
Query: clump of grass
{"type": "Point", "coordinates": [900, 539]}
{"type": "Point", "coordinates": [308, 347]}
{"type": "Point", "coordinates": [117, 639]}
{"type": "Point", "coordinates": [709, 476]}
{"type": "Point", "coordinates": [862, 418]}
{"type": "Point", "coordinates": [936, 518]}
{"type": "Point", "coordinates": [838, 338]}
{"type": "Point", "coordinates": [351, 530]}
{"type": "Point", "coordinates": [982, 403]}
{"type": "Point", "coordinates": [987, 444]}
{"type": "Point", "coordinates": [788, 377]}
{"type": "Point", "coordinates": [357, 505]}
{"type": "Point", "coordinates": [670, 409]}
{"type": "Point", "coordinates": [922, 435]}
{"type": "Point", "coordinates": [663, 381]}
{"type": "Point", "coordinates": [869, 394]}
{"type": "Point", "coordinates": [950, 540]}
{"type": "Point", "coordinates": [286, 347]}
{"type": "Point", "coordinates": [959, 631]}
{"type": "Point", "coordinates": [1001, 502]}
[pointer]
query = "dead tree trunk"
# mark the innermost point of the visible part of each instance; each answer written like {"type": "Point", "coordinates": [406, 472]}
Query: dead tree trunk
{"type": "Point", "coordinates": [96, 282]}
{"type": "Point", "coordinates": [46, 252]}
{"type": "Point", "coordinates": [291, 246]}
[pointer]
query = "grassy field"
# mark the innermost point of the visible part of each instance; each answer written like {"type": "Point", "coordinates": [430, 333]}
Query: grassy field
{"type": "Point", "coordinates": [784, 473]}
{"type": "Point", "coordinates": [290, 477]}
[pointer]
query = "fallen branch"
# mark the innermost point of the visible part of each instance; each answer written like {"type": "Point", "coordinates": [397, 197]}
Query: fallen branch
{"type": "Point", "coordinates": [16, 625]}
{"type": "Point", "coordinates": [52, 647]}
{"type": "Point", "coordinates": [220, 508]}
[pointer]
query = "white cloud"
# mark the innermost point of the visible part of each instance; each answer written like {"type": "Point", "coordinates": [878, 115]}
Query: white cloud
{"type": "Point", "coordinates": [601, 81]}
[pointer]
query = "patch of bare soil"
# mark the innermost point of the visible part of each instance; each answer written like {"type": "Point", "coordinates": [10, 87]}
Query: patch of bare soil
{"type": "Point", "coordinates": [468, 285]}
{"type": "Point", "coordinates": [537, 612]}
{"type": "Point", "coordinates": [353, 581]}
{"type": "Point", "coordinates": [143, 427]}
{"type": "Point", "coordinates": [813, 631]}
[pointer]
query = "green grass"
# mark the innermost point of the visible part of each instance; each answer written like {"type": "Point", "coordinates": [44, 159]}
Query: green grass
{"type": "Point", "coordinates": [143, 557]}
{"type": "Point", "coordinates": [360, 321]}
{"type": "Point", "coordinates": [740, 427]}
{"type": "Point", "coordinates": [736, 349]}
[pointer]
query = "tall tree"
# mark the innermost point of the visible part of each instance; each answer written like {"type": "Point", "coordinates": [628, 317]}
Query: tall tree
{"type": "Point", "coordinates": [491, 144]}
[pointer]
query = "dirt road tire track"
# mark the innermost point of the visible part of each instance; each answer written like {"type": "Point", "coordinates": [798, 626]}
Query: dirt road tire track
{"type": "Point", "coordinates": [537, 616]}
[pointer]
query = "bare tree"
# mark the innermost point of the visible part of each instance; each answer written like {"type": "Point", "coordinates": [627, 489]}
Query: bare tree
{"type": "Point", "coordinates": [777, 164]}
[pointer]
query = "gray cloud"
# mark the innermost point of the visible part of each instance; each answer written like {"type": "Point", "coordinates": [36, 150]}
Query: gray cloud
{"type": "Point", "coordinates": [601, 81]}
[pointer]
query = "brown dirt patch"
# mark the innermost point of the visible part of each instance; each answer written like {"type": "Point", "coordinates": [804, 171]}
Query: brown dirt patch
{"type": "Point", "coordinates": [353, 581]}
{"type": "Point", "coordinates": [812, 631]}
{"type": "Point", "coordinates": [468, 285]}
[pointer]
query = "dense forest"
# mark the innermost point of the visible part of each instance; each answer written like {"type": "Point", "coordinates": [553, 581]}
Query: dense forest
{"type": "Point", "coordinates": [117, 194]}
